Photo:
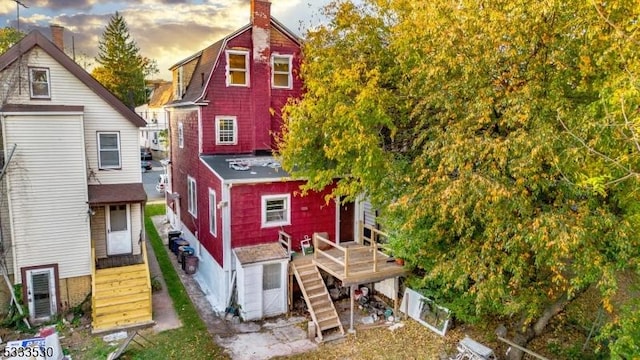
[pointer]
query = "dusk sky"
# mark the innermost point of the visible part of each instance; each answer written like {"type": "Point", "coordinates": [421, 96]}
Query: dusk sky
{"type": "Point", "coordinates": [165, 30]}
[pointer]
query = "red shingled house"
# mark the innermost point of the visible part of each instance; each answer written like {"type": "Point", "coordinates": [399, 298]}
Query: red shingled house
{"type": "Point", "coordinates": [226, 193]}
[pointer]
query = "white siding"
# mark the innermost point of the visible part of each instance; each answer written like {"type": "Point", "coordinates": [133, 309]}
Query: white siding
{"type": "Point", "coordinates": [250, 291]}
{"type": "Point", "coordinates": [136, 227]}
{"type": "Point", "coordinates": [5, 229]}
{"type": "Point", "coordinates": [66, 89]}
{"type": "Point", "coordinates": [48, 193]}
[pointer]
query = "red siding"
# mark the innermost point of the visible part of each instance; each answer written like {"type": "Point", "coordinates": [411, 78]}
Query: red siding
{"type": "Point", "coordinates": [309, 214]}
{"type": "Point", "coordinates": [207, 180]}
{"type": "Point", "coordinates": [184, 160]}
{"type": "Point", "coordinates": [239, 101]}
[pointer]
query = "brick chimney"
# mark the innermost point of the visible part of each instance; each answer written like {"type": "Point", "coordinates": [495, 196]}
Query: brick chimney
{"type": "Point", "coordinates": [261, 73]}
{"type": "Point", "coordinates": [57, 35]}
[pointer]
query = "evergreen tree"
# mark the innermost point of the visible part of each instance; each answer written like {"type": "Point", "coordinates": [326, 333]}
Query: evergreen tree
{"type": "Point", "coordinates": [121, 67]}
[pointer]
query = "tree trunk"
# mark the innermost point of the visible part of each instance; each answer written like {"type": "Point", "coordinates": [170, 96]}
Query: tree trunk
{"type": "Point", "coordinates": [524, 335]}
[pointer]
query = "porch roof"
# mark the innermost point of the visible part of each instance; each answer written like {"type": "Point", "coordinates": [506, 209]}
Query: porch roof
{"type": "Point", "coordinates": [116, 193]}
{"type": "Point", "coordinates": [259, 253]}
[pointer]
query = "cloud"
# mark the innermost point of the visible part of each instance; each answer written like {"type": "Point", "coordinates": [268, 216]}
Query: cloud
{"type": "Point", "coordinates": [165, 30]}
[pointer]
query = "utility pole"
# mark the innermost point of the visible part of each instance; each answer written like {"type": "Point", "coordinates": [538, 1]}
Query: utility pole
{"type": "Point", "coordinates": [18, 4]}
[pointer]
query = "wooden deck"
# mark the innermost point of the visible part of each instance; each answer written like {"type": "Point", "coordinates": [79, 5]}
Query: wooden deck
{"type": "Point", "coordinates": [118, 261]}
{"type": "Point", "coordinates": [354, 263]}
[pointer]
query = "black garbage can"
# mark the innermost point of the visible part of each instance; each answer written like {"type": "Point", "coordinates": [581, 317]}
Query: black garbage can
{"type": "Point", "coordinates": [173, 235]}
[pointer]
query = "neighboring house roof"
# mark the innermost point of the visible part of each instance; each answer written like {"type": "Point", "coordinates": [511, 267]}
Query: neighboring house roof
{"type": "Point", "coordinates": [245, 167]}
{"type": "Point", "coordinates": [207, 60]}
{"type": "Point", "coordinates": [35, 38]}
{"type": "Point", "coordinates": [161, 95]}
{"type": "Point", "coordinates": [116, 194]}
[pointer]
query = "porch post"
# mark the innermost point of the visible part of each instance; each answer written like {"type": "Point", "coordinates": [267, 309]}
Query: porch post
{"type": "Point", "coordinates": [352, 296]}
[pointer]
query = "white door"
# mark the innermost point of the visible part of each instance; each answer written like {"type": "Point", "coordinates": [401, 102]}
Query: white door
{"type": "Point", "coordinates": [118, 230]}
{"type": "Point", "coordinates": [41, 293]}
{"type": "Point", "coordinates": [272, 290]}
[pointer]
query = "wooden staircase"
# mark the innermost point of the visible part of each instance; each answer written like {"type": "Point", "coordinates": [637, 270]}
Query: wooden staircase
{"type": "Point", "coordinates": [121, 298]}
{"type": "Point", "coordinates": [323, 312]}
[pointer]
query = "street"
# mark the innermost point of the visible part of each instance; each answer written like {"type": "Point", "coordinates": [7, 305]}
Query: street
{"type": "Point", "coordinates": [150, 179]}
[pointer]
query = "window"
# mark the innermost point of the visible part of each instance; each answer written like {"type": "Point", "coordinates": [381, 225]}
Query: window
{"type": "Point", "coordinates": [192, 201]}
{"type": "Point", "coordinates": [179, 85]}
{"type": "Point", "coordinates": [109, 150]}
{"type": "Point", "coordinates": [39, 83]}
{"type": "Point", "coordinates": [212, 213]}
{"type": "Point", "coordinates": [180, 136]}
{"type": "Point", "coordinates": [281, 76]}
{"type": "Point", "coordinates": [226, 130]}
{"type": "Point", "coordinates": [276, 210]}
{"type": "Point", "coordinates": [237, 68]}
{"type": "Point", "coordinates": [271, 275]}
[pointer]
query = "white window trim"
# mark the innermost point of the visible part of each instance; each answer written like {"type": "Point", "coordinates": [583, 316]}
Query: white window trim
{"type": "Point", "coordinates": [246, 68]}
{"type": "Point", "coordinates": [100, 166]}
{"type": "Point", "coordinates": [289, 73]}
{"type": "Point", "coordinates": [192, 197]}
{"type": "Point", "coordinates": [48, 96]}
{"type": "Point", "coordinates": [235, 130]}
{"type": "Point", "coordinates": [180, 135]}
{"type": "Point", "coordinates": [263, 212]}
{"type": "Point", "coordinates": [213, 213]}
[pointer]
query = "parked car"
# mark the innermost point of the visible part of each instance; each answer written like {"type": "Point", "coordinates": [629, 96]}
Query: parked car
{"type": "Point", "coordinates": [145, 154]}
{"type": "Point", "coordinates": [146, 165]}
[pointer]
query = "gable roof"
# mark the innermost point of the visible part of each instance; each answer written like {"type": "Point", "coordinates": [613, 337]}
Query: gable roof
{"type": "Point", "coordinates": [208, 58]}
{"type": "Point", "coordinates": [35, 38]}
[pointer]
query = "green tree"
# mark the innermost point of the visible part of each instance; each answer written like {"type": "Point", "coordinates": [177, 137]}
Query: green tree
{"type": "Point", "coordinates": [482, 130]}
{"type": "Point", "coordinates": [121, 68]}
{"type": "Point", "coordinates": [8, 37]}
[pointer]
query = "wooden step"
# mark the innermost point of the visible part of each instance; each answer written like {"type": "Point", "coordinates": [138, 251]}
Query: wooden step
{"type": "Point", "coordinates": [121, 320]}
{"type": "Point", "coordinates": [121, 269]}
{"type": "Point", "coordinates": [129, 289]}
{"type": "Point", "coordinates": [329, 323]}
{"type": "Point", "coordinates": [102, 310]}
{"type": "Point", "coordinates": [121, 285]}
{"type": "Point", "coordinates": [122, 299]}
{"type": "Point", "coordinates": [119, 278]}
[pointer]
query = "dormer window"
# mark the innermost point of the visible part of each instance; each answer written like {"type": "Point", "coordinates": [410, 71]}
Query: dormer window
{"type": "Point", "coordinates": [39, 84]}
{"type": "Point", "coordinates": [237, 68]}
{"type": "Point", "coordinates": [179, 83]}
{"type": "Point", "coordinates": [281, 71]}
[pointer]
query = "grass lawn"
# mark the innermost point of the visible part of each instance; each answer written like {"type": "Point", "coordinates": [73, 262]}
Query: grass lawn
{"type": "Point", "coordinates": [192, 340]}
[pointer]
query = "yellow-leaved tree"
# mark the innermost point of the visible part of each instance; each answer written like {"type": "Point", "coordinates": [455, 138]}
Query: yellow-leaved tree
{"type": "Point", "coordinates": [498, 139]}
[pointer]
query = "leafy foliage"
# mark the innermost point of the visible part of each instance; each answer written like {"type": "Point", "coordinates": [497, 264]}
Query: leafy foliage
{"type": "Point", "coordinates": [8, 37]}
{"type": "Point", "coordinates": [499, 139]}
{"type": "Point", "coordinates": [121, 68]}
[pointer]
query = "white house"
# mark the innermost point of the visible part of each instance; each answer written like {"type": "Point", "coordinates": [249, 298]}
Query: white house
{"type": "Point", "coordinates": [151, 136]}
{"type": "Point", "coordinates": [72, 195]}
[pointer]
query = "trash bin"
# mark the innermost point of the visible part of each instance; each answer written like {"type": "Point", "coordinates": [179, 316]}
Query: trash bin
{"type": "Point", "coordinates": [172, 235]}
{"type": "Point", "coordinates": [184, 251]}
{"type": "Point", "coordinates": [190, 264]}
{"type": "Point", "coordinates": [177, 243]}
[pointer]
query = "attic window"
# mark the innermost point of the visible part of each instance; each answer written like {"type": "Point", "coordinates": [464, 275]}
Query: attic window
{"type": "Point", "coordinates": [281, 74]}
{"type": "Point", "coordinates": [39, 85]}
{"type": "Point", "coordinates": [237, 68]}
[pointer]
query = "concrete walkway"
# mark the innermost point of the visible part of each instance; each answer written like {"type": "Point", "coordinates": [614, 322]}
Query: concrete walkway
{"type": "Point", "coordinates": [253, 340]}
